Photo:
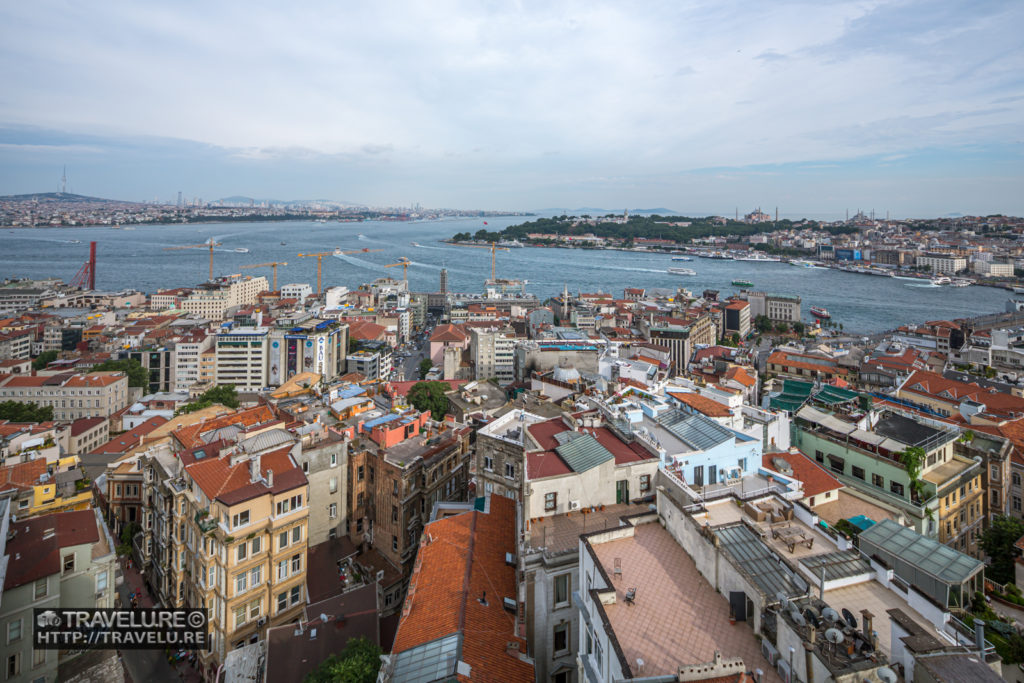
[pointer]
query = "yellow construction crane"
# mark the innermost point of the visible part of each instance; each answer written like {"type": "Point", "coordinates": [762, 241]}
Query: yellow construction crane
{"type": "Point", "coordinates": [492, 246]}
{"type": "Point", "coordinates": [272, 264]}
{"type": "Point", "coordinates": [404, 262]}
{"type": "Point", "coordinates": [337, 252]}
{"type": "Point", "coordinates": [211, 243]}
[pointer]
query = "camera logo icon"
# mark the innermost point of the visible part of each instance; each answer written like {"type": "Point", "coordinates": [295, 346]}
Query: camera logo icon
{"type": "Point", "coordinates": [48, 618]}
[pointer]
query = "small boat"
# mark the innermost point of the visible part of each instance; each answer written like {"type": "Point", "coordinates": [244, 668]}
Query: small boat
{"type": "Point", "coordinates": [681, 258]}
{"type": "Point", "coordinates": [941, 280]}
{"type": "Point", "coordinates": [742, 283]}
{"type": "Point", "coordinates": [962, 283]}
{"type": "Point", "coordinates": [515, 244]}
{"type": "Point", "coordinates": [820, 312]}
{"type": "Point", "coordinates": [241, 250]}
{"type": "Point", "coordinates": [681, 271]}
{"type": "Point", "coordinates": [415, 244]}
{"type": "Point", "coordinates": [283, 243]}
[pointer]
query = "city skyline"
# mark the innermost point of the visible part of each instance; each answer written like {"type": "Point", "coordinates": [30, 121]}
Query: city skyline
{"type": "Point", "coordinates": [912, 108]}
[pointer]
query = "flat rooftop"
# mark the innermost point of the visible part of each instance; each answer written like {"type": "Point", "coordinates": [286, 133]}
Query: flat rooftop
{"type": "Point", "coordinates": [876, 598]}
{"type": "Point", "coordinates": [950, 469]}
{"type": "Point", "coordinates": [419, 446]}
{"type": "Point", "coordinates": [677, 617]}
{"type": "Point", "coordinates": [905, 430]}
{"type": "Point", "coordinates": [561, 533]}
{"type": "Point", "coordinates": [847, 505]}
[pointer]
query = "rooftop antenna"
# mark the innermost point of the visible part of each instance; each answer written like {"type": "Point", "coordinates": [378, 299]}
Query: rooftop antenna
{"type": "Point", "coordinates": [64, 180]}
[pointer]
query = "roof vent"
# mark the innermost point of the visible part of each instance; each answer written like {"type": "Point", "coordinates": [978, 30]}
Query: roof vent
{"type": "Point", "coordinates": [483, 599]}
{"type": "Point", "coordinates": [269, 479]}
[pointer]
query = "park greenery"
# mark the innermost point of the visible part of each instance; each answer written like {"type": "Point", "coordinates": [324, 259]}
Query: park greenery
{"type": "Point", "coordinates": [680, 229]}
{"type": "Point", "coordinates": [997, 542]}
{"type": "Point", "coordinates": [25, 412]}
{"type": "Point", "coordinates": [44, 359]}
{"type": "Point", "coordinates": [137, 375]}
{"type": "Point", "coordinates": [429, 396]}
{"type": "Point", "coordinates": [359, 662]}
{"type": "Point", "coordinates": [223, 394]}
{"type": "Point", "coordinates": [425, 367]}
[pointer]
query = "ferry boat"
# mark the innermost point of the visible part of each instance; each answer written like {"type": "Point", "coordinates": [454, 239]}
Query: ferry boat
{"type": "Point", "coordinates": [941, 280]}
{"type": "Point", "coordinates": [681, 258]}
{"type": "Point", "coordinates": [742, 283]}
{"type": "Point", "coordinates": [820, 312]}
{"type": "Point", "coordinates": [756, 257]}
{"type": "Point", "coordinates": [961, 283]}
{"type": "Point", "coordinates": [514, 244]}
{"type": "Point", "coordinates": [681, 271]}
{"type": "Point", "coordinates": [283, 243]}
{"type": "Point", "coordinates": [802, 264]}
{"type": "Point", "coordinates": [415, 244]}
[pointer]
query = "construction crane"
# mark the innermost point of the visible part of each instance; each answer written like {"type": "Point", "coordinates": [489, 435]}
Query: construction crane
{"type": "Point", "coordinates": [210, 243]}
{"type": "Point", "coordinates": [404, 262]}
{"type": "Point", "coordinates": [337, 252]}
{"type": "Point", "coordinates": [492, 246]}
{"type": "Point", "coordinates": [272, 264]}
{"type": "Point", "coordinates": [86, 276]}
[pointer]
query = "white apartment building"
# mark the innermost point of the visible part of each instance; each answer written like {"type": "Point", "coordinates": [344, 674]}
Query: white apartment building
{"type": "Point", "coordinates": [493, 354]}
{"type": "Point", "coordinates": [776, 307]}
{"type": "Point", "coordinates": [990, 269]}
{"type": "Point", "coordinates": [95, 394]}
{"type": "Point", "coordinates": [213, 300]}
{"type": "Point", "coordinates": [187, 353]}
{"type": "Point", "coordinates": [242, 358]}
{"type": "Point", "coordinates": [296, 291]}
{"type": "Point", "coordinates": [941, 263]}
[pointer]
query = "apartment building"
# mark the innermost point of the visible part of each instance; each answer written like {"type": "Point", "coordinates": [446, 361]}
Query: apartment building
{"type": "Point", "coordinates": [72, 396]}
{"type": "Point", "coordinates": [158, 362]}
{"type": "Point", "coordinates": [323, 458]}
{"type": "Point", "coordinates": [398, 479]}
{"type": "Point", "coordinates": [213, 300]}
{"type": "Point", "coordinates": [942, 263]}
{"type": "Point", "coordinates": [188, 354]}
{"type": "Point", "coordinates": [805, 366]}
{"type": "Point", "coordinates": [776, 307]}
{"type": "Point", "coordinates": [242, 356]}
{"type": "Point", "coordinates": [498, 461]}
{"type": "Point", "coordinates": [65, 559]}
{"type": "Point", "coordinates": [681, 336]}
{"type": "Point", "coordinates": [737, 318]}
{"type": "Point", "coordinates": [318, 346]}
{"type": "Point", "coordinates": [16, 345]}
{"type": "Point", "coordinates": [493, 354]}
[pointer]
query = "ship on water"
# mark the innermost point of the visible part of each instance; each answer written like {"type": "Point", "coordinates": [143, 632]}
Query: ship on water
{"type": "Point", "coordinates": [681, 258]}
{"type": "Point", "coordinates": [742, 283]}
{"type": "Point", "coordinates": [681, 271]}
{"type": "Point", "coordinates": [820, 312]}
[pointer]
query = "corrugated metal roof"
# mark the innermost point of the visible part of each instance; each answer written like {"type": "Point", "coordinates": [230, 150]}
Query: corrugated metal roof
{"type": "Point", "coordinates": [583, 453]}
{"type": "Point", "coordinates": [696, 430]}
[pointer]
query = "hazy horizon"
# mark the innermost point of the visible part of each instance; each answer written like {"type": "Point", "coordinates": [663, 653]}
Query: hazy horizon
{"type": "Point", "coordinates": [916, 108]}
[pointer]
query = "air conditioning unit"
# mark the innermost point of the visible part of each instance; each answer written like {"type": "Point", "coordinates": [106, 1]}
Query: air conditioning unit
{"type": "Point", "coordinates": [574, 505]}
{"type": "Point", "coordinates": [261, 622]}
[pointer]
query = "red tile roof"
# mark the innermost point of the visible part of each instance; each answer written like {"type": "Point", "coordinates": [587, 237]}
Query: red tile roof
{"type": "Point", "coordinates": [32, 556]}
{"type": "Point", "coordinates": [464, 561]}
{"type": "Point", "coordinates": [232, 484]}
{"type": "Point", "coordinates": [448, 333]}
{"type": "Point", "coordinates": [122, 443]}
{"type": "Point", "coordinates": [702, 404]}
{"type": "Point", "coordinates": [82, 425]}
{"type": "Point", "coordinates": [540, 464]}
{"type": "Point", "coordinates": [951, 391]}
{"type": "Point", "coordinates": [816, 479]}
{"type": "Point", "coordinates": [23, 475]}
{"type": "Point", "coordinates": [544, 434]}
{"type": "Point", "coordinates": [188, 436]}
{"type": "Point", "coordinates": [739, 374]}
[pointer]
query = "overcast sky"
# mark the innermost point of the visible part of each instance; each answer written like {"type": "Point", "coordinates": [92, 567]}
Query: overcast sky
{"type": "Point", "coordinates": [815, 107]}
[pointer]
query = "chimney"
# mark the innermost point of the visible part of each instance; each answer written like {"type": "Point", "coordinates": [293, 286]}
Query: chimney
{"type": "Point", "coordinates": [254, 469]}
{"type": "Point", "coordinates": [270, 479]}
{"type": "Point", "coordinates": [979, 636]}
{"type": "Point", "coordinates": [809, 658]}
{"type": "Point", "coordinates": [512, 648]}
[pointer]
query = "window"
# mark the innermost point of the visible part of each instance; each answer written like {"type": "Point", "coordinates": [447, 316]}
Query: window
{"type": "Point", "coordinates": [1016, 479]}
{"type": "Point", "coordinates": [562, 588]}
{"type": "Point", "coordinates": [241, 552]}
{"type": "Point", "coordinates": [40, 591]}
{"type": "Point", "coordinates": [995, 498]}
{"type": "Point", "coordinates": [69, 563]}
{"type": "Point", "coordinates": [101, 582]}
{"type": "Point", "coordinates": [239, 616]}
{"type": "Point", "coordinates": [394, 543]}
{"type": "Point", "coordinates": [488, 463]}
{"type": "Point", "coordinates": [878, 480]}
{"type": "Point", "coordinates": [241, 583]}
{"type": "Point", "coordinates": [296, 563]}
{"type": "Point", "coordinates": [1016, 503]}
{"type": "Point", "coordinates": [561, 640]}
{"type": "Point", "coordinates": [282, 600]}
{"type": "Point", "coordinates": [645, 483]}
{"type": "Point", "coordinates": [550, 501]}
{"type": "Point", "coordinates": [257, 544]}
{"type": "Point", "coordinates": [255, 607]}
{"type": "Point", "coordinates": [14, 631]}
{"type": "Point", "coordinates": [305, 467]}
{"type": "Point", "coordinates": [334, 484]}
{"type": "Point", "coordinates": [282, 570]}
{"type": "Point", "coordinates": [394, 513]}
{"type": "Point", "coordinates": [819, 456]}
{"type": "Point", "coordinates": [394, 487]}
{"type": "Point", "coordinates": [14, 665]}
{"type": "Point", "coordinates": [896, 488]}
{"type": "Point", "coordinates": [286, 506]}
{"type": "Point", "coordinates": [360, 473]}
{"type": "Point", "coordinates": [38, 659]}
{"type": "Point", "coordinates": [334, 459]}
{"type": "Point", "coordinates": [256, 576]}
{"type": "Point", "coordinates": [993, 473]}
{"type": "Point", "coordinates": [857, 472]}
{"type": "Point", "coordinates": [510, 470]}
{"type": "Point", "coordinates": [296, 594]}
{"type": "Point", "coordinates": [240, 519]}
{"type": "Point", "coordinates": [282, 540]}
{"type": "Point", "coordinates": [332, 510]}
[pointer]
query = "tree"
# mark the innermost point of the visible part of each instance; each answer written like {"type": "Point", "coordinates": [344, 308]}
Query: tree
{"type": "Point", "coordinates": [137, 375]}
{"type": "Point", "coordinates": [25, 412]}
{"type": "Point", "coordinates": [799, 328]}
{"type": "Point", "coordinates": [913, 459]}
{"type": "Point", "coordinates": [224, 394]}
{"type": "Point", "coordinates": [781, 327]}
{"type": "Point", "coordinates": [425, 367]}
{"type": "Point", "coordinates": [359, 662]}
{"type": "Point", "coordinates": [429, 396]}
{"type": "Point", "coordinates": [997, 542]}
{"type": "Point", "coordinates": [44, 359]}
{"type": "Point", "coordinates": [762, 323]}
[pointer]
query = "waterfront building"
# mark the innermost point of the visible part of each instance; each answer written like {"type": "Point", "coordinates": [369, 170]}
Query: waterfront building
{"type": "Point", "coordinates": [95, 394]}
{"type": "Point", "coordinates": [213, 300]}
{"type": "Point", "coordinates": [941, 263]}
{"type": "Point", "coordinates": [776, 307]}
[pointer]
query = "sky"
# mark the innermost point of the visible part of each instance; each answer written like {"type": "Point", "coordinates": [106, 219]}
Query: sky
{"type": "Point", "coordinates": [916, 108]}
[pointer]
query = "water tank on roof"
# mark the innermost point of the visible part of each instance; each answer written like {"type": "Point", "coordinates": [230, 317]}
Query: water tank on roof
{"type": "Point", "coordinates": [566, 374]}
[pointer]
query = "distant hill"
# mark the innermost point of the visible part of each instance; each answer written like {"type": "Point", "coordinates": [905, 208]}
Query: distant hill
{"type": "Point", "coordinates": [595, 211]}
{"type": "Point", "coordinates": [60, 197]}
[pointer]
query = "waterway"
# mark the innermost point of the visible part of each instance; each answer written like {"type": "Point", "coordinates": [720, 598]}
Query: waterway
{"type": "Point", "coordinates": [137, 259]}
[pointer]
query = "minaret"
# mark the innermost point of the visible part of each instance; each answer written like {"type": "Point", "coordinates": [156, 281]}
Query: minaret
{"type": "Point", "coordinates": [444, 280]}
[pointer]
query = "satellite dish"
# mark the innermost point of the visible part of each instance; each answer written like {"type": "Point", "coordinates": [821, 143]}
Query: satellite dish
{"type": "Point", "coordinates": [813, 610]}
{"type": "Point", "coordinates": [830, 615]}
{"type": "Point", "coordinates": [783, 600]}
{"type": "Point", "coordinates": [812, 617]}
{"type": "Point", "coordinates": [834, 636]}
{"type": "Point", "coordinates": [797, 618]}
{"type": "Point", "coordinates": [886, 675]}
{"type": "Point", "coordinates": [850, 619]}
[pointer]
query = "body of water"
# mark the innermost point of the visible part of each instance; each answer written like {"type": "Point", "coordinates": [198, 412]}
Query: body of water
{"type": "Point", "coordinates": [137, 259]}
